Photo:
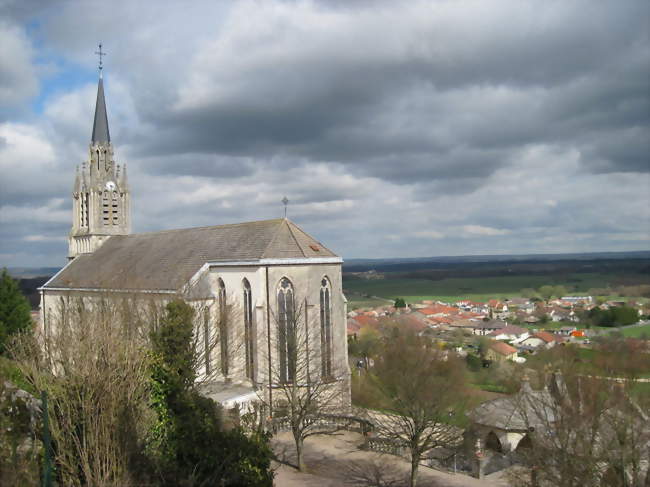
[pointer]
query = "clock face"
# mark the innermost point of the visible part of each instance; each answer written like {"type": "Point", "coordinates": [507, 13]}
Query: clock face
{"type": "Point", "coordinates": [110, 186]}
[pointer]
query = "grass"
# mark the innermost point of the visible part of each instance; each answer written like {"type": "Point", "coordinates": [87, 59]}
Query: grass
{"type": "Point", "coordinates": [356, 301]}
{"type": "Point", "coordinates": [634, 332]}
{"type": "Point", "coordinates": [474, 288]}
{"type": "Point", "coordinates": [9, 371]}
{"type": "Point", "coordinates": [491, 388]}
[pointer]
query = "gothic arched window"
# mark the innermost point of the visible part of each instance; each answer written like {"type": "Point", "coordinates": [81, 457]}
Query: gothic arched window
{"type": "Point", "coordinates": [286, 331]}
{"type": "Point", "coordinates": [325, 328]}
{"type": "Point", "coordinates": [206, 339]}
{"type": "Point", "coordinates": [249, 335]}
{"type": "Point", "coordinates": [223, 326]}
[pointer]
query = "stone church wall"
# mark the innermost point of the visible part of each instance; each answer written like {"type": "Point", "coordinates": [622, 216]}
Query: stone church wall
{"type": "Point", "coordinates": [306, 281]}
{"type": "Point", "coordinates": [203, 294]}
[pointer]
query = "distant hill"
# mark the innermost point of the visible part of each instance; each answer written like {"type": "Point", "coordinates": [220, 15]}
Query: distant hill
{"type": "Point", "coordinates": [29, 272]}
{"type": "Point", "coordinates": [419, 263]}
{"type": "Point", "coordinates": [30, 279]}
{"type": "Point", "coordinates": [635, 264]}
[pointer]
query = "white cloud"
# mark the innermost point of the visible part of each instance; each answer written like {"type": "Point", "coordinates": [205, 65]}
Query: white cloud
{"type": "Point", "coordinates": [44, 238]}
{"type": "Point", "coordinates": [484, 231]}
{"type": "Point", "coordinates": [18, 76]}
{"type": "Point", "coordinates": [54, 211]}
{"type": "Point", "coordinates": [430, 234]}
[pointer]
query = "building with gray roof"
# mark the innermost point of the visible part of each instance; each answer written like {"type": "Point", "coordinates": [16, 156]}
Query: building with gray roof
{"type": "Point", "coordinates": [266, 270]}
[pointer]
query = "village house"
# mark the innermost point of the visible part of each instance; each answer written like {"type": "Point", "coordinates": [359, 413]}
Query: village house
{"type": "Point", "coordinates": [558, 314]}
{"type": "Point", "coordinates": [437, 310]}
{"type": "Point", "coordinates": [486, 327]}
{"type": "Point", "coordinates": [465, 324]}
{"type": "Point", "coordinates": [498, 309]}
{"type": "Point", "coordinates": [521, 304]}
{"type": "Point", "coordinates": [510, 333]}
{"type": "Point", "coordinates": [531, 320]}
{"type": "Point", "coordinates": [500, 352]}
{"type": "Point", "coordinates": [540, 339]}
{"type": "Point", "coordinates": [473, 307]}
{"type": "Point", "coordinates": [566, 330]}
{"type": "Point", "coordinates": [573, 300]}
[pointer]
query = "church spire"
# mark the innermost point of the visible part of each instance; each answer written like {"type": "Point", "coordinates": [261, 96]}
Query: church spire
{"type": "Point", "coordinates": [100, 125]}
{"type": "Point", "coordinates": [101, 196]}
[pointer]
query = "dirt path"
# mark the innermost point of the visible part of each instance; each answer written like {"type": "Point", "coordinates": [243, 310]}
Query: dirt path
{"type": "Point", "coordinates": [337, 461]}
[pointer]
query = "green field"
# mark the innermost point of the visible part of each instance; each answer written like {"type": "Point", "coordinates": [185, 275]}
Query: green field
{"type": "Point", "coordinates": [636, 332]}
{"type": "Point", "coordinates": [356, 301]}
{"type": "Point", "coordinates": [474, 288]}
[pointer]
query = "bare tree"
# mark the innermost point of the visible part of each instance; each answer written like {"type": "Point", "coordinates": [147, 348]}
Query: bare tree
{"type": "Point", "coordinates": [366, 345]}
{"type": "Point", "coordinates": [92, 364]}
{"type": "Point", "coordinates": [92, 360]}
{"type": "Point", "coordinates": [422, 390]}
{"type": "Point", "coordinates": [584, 431]}
{"type": "Point", "coordinates": [304, 394]}
{"type": "Point", "coordinates": [218, 339]}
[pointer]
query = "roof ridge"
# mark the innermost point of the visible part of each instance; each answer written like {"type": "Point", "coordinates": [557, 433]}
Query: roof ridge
{"type": "Point", "coordinates": [289, 225]}
{"type": "Point", "coordinates": [275, 236]}
{"type": "Point", "coordinates": [171, 230]}
{"type": "Point", "coordinates": [310, 237]}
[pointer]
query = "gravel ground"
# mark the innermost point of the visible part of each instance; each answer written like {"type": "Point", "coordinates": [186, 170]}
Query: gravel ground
{"type": "Point", "coordinates": [337, 461]}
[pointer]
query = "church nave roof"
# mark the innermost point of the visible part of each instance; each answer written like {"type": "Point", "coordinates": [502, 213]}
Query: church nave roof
{"type": "Point", "coordinates": [166, 260]}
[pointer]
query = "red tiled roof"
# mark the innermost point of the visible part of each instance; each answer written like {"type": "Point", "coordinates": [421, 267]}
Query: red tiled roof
{"type": "Point", "coordinates": [502, 348]}
{"type": "Point", "coordinates": [440, 319]}
{"type": "Point", "coordinates": [438, 309]}
{"type": "Point", "coordinates": [365, 320]}
{"type": "Point", "coordinates": [353, 326]}
{"type": "Point", "coordinates": [469, 314]}
{"type": "Point", "coordinates": [411, 322]}
{"type": "Point", "coordinates": [546, 336]}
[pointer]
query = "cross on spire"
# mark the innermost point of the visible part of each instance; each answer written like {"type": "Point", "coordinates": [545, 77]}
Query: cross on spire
{"type": "Point", "coordinates": [285, 202]}
{"type": "Point", "coordinates": [101, 54]}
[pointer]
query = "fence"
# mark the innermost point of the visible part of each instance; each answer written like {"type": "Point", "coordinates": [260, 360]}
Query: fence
{"type": "Point", "coordinates": [325, 422]}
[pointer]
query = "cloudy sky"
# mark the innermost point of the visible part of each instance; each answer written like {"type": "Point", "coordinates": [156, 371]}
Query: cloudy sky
{"type": "Point", "coordinates": [396, 129]}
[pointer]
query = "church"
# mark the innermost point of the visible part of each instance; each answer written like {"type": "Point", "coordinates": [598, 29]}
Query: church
{"type": "Point", "coordinates": [265, 270]}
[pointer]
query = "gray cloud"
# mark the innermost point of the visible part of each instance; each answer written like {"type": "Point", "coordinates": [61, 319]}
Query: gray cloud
{"type": "Point", "coordinates": [420, 128]}
{"type": "Point", "coordinates": [18, 77]}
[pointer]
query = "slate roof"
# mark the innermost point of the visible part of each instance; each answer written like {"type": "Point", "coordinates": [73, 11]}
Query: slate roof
{"type": "Point", "coordinates": [490, 325]}
{"type": "Point", "coordinates": [166, 260]}
{"type": "Point", "coordinates": [100, 124]}
{"type": "Point", "coordinates": [516, 412]}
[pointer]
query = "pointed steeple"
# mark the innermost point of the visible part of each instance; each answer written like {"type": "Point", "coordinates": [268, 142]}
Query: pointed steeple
{"type": "Point", "coordinates": [123, 180]}
{"type": "Point", "coordinates": [101, 197]}
{"type": "Point", "coordinates": [77, 182]}
{"type": "Point", "coordinates": [100, 125]}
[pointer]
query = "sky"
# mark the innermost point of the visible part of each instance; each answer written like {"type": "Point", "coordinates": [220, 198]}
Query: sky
{"type": "Point", "coordinates": [395, 129]}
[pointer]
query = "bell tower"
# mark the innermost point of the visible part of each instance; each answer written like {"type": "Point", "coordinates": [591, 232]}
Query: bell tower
{"type": "Point", "coordinates": [100, 197]}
